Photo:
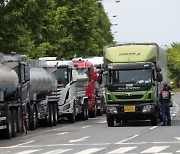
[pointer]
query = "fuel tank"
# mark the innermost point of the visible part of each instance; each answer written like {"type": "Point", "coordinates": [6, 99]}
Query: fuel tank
{"type": "Point", "coordinates": [8, 80]}
{"type": "Point", "coordinates": [41, 82]}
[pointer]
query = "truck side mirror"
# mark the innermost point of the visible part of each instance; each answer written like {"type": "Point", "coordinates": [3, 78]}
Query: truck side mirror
{"type": "Point", "coordinates": [99, 79]}
{"type": "Point", "coordinates": [95, 78]}
{"type": "Point", "coordinates": [27, 73]}
{"type": "Point", "coordinates": [159, 77]}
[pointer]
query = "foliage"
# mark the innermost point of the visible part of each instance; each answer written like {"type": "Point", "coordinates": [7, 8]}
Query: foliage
{"type": "Point", "coordinates": [173, 54]}
{"type": "Point", "coordinates": [59, 28]}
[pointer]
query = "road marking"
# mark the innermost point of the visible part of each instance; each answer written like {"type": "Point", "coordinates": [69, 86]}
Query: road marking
{"type": "Point", "coordinates": [103, 122]}
{"type": "Point", "coordinates": [79, 140]}
{"type": "Point", "coordinates": [57, 151]}
{"type": "Point", "coordinates": [88, 151]}
{"type": "Point", "coordinates": [155, 149]}
{"type": "Point", "coordinates": [63, 133]}
{"type": "Point", "coordinates": [28, 151]}
{"type": "Point", "coordinates": [127, 139]}
{"type": "Point", "coordinates": [86, 126]}
{"type": "Point", "coordinates": [153, 127]}
{"type": "Point", "coordinates": [177, 138]}
{"type": "Point", "coordinates": [122, 150]}
{"type": "Point", "coordinates": [21, 144]}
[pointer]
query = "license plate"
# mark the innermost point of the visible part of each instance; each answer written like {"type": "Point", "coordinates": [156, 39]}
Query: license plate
{"type": "Point", "coordinates": [129, 108]}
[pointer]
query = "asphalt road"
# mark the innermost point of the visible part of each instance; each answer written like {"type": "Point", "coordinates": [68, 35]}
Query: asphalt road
{"type": "Point", "coordinates": [94, 136]}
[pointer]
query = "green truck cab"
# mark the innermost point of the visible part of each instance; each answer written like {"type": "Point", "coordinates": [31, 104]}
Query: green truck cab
{"type": "Point", "coordinates": [133, 73]}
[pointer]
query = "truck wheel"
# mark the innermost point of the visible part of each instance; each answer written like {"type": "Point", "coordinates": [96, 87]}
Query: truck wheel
{"type": "Point", "coordinates": [94, 112]}
{"type": "Point", "coordinates": [20, 120]}
{"type": "Point", "coordinates": [100, 111]}
{"type": "Point", "coordinates": [84, 112]}
{"type": "Point", "coordinates": [55, 114]}
{"type": "Point", "coordinates": [110, 122]}
{"type": "Point", "coordinates": [87, 111]}
{"type": "Point", "coordinates": [50, 117]}
{"type": "Point", "coordinates": [33, 118]}
{"type": "Point", "coordinates": [14, 123]}
{"type": "Point", "coordinates": [72, 116]}
{"type": "Point", "coordinates": [154, 120]}
{"type": "Point", "coordinates": [8, 131]}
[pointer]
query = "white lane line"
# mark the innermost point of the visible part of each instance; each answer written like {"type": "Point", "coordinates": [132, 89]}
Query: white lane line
{"type": "Point", "coordinates": [79, 140]}
{"type": "Point", "coordinates": [122, 150]}
{"type": "Point", "coordinates": [177, 138]}
{"type": "Point", "coordinates": [103, 122]}
{"type": "Point", "coordinates": [155, 149]}
{"type": "Point", "coordinates": [153, 127]}
{"type": "Point", "coordinates": [86, 126]}
{"type": "Point", "coordinates": [49, 130]}
{"type": "Point", "coordinates": [17, 145]}
{"type": "Point", "coordinates": [57, 151]}
{"type": "Point", "coordinates": [28, 151]}
{"type": "Point", "coordinates": [89, 151]}
{"type": "Point", "coordinates": [127, 139]}
{"type": "Point", "coordinates": [63, 133]}
{"type": "Point", "coordinates": [178, 151]}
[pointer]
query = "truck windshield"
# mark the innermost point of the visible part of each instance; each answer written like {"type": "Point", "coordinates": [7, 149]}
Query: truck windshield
{"type": "Point", "coordinates": [62, 76]}
{"type": "Point", "coordinates": [129, 76]}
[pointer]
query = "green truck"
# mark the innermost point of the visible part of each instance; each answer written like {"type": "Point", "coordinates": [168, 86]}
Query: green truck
{"type": "Point", "coordinates": [133, 74]}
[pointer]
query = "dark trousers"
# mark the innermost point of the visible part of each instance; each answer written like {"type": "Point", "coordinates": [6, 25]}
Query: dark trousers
{"type": "Point", "coordinates": [166, 113]}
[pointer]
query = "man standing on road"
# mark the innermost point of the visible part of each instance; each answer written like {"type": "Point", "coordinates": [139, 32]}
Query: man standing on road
{"type": "Point", "coordinates": [164, 99]}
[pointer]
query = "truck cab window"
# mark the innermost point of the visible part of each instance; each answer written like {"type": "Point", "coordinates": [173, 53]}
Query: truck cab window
{"type": "Point", "coordinates": [62, 75]}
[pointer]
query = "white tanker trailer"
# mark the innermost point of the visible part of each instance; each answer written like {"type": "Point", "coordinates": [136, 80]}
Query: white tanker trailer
{"type": "Point", "coordinates": [14, 93]}
{"type": "Point", "coordinates": [42, 85]}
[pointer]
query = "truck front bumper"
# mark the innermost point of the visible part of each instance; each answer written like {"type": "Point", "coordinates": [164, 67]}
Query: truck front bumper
{"type": "Point", "coordinates": [140, 111]}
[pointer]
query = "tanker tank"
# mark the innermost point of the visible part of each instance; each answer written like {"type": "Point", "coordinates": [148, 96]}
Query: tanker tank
{"type": "Point", "coordinates": [41, 82]}
{"type": "Point", "coordinates": [8, 80]}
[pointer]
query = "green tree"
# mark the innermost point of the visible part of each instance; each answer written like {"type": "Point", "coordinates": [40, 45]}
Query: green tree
{"type": "Point", "coordinates": [85, 28]}
{"type": "Point", "coordinates": [173, 54]}
{"type": "Point", "coordinates": [59, 28]}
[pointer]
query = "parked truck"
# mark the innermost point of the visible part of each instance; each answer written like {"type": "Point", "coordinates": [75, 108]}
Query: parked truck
{"type": "Point", "coordinates": [73, 101]}
{"type": "Point", "coordinates": [133, 74]}
{"type": "Point", "coordinates": [43, 84]}
{"type": "Point", "coordinates": [14, 93]}
{"type": "Point", "coordinates": [91, 89]}
{"type": "Point", "coordinates": [100, 89]}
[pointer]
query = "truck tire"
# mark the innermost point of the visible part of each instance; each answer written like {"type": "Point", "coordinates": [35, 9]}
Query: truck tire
{"type": "Point", "coordinates": [72, 116]}
{"type": "Point", "coordinates": [20, 120]}
{"type": "Point", "coordinates": [8, 130]}
{"type": "Point", "coordinates": [84, 112]}
{"type": "Point", "coordinates": [14, 122]}
{"type": "Point", "coordinates": [100, 111]}
{"type": "Point", "coordinates": [154, 120]}
{"type": "Point", "coordinates": [33, 118]}
{"type": "Point", "coordinates": [50, 117]}
{"type": "Point", "coordinates": [55, 114]}
{"type": "Point", "coordinates": [87, 111]}
{"type": "Point", "coordinates": [110, 122]}
{"type": "Point", "coordinates": [93, 113]}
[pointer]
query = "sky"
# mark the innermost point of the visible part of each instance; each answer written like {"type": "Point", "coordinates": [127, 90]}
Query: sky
{"type": "Point", "coordinates": [144, 21]}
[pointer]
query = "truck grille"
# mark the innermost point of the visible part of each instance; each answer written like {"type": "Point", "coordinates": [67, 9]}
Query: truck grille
{"type": "Point", "coordinates": [138, 96]}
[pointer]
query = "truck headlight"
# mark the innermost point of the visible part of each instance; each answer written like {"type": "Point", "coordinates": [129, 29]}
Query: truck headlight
{"type": "Point", "coordinates": [111, 109]}
{"type": "Point", "coordinates": [147, 108]}
{"type": "Point", "coordinates": [66, 107]}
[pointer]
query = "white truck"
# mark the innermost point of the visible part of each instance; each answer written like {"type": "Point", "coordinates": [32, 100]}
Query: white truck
{"type": "Point", "coordinates": [71, 89]}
